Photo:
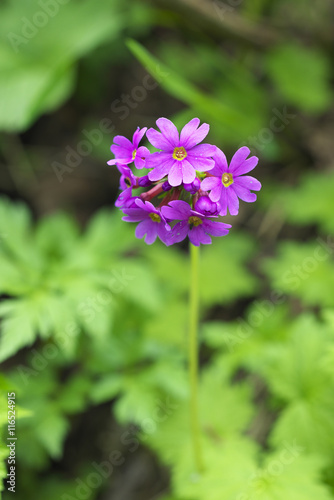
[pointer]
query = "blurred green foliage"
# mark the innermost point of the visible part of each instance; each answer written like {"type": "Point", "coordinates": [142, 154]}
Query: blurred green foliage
{"type": "Point", "coordinates": [94, 318]}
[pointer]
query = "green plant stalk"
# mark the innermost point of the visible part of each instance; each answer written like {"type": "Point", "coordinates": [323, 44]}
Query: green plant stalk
{"type": "Point", "coordinates": [193, 356]}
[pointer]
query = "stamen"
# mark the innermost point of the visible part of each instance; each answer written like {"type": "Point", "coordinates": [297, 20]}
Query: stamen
{"type": "Point", "coordinates": [179, 153]}
{"type": "Point", "coordinates": [227, 179]}
{"type": "Point", "coordinates": [194, 221]}
{"type": "Point", "coordinates": [155, 217]}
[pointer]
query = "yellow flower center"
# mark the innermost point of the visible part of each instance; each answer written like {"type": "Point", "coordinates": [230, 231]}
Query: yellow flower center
{"type": "Point", "coordinates": [127, 181]}
{"type": "Point", "coordinates": [155, 217]}
{"type": "Point", "coordinates": [227, 179]}
{"type": "Point", "coordinates": [134, 154]}
{"type": "Point", "coordinates": [179, 154]}
{"type": "Point", "coordinates": [194, 221]}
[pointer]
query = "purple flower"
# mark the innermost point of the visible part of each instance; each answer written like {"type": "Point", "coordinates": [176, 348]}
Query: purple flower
{"type": "Point", "coordinates": [192, 224]}
{"type": "Point", "coordinates": [126, 151]}
{"type": "Point", "coordinates": [127, 182]}
{"type": "Point", "coordinates": [151, 221]}
{"type": "Point", "coordinates": [226, 183]}
{"type": "Point", "coordinates": [180, 156]}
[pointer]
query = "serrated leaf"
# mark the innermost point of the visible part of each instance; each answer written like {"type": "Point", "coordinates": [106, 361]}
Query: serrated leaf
{"type": "Point", "coordinates": [303, 270]}
{"type": "Point", "coordinates": [223, 274]}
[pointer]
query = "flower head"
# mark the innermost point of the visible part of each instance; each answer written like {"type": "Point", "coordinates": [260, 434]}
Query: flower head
{"type": "Point", "coordinates": [151, 221]}
{"type": "Point", "coordinates": [127, 152]}
{"type": "Point", "coordinates": [227, 183]}
{"type": "Point", "coordinates": [180, 155]}
{"type": "Point", "coordinates": [193, 224]}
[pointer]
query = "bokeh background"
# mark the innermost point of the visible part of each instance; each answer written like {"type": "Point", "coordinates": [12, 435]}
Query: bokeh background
{"type": "Point", "coordinates": [93, 321]}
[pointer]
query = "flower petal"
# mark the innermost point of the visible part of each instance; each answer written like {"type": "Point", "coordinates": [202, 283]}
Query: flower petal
{"type": "Point", "coordinates": [232, 201]}
{"type": "Point", "coordinates": [197, 236]}
{"type": "Point", "coordinates": [137, 136]}
{"type": "Point", "coordinates": [248, 182]}
{"type": "Point", "coordinates": [238, 158]}
{"type": "Point", "coordinates": [220, 160]}
{"type": "Point", "coordinates": [147, 227]}
{"type": "Point", "coordinates": [188, 172]}
{"type": "Point", "coordinates": [223, 202]}
{"type": "Point", "coordinates": [175, 174]}
{"type": "Point", "coordinates": [244, 194]}
{"type": "Point", "coordinates": [176, 209]}
{"type": "Point", "coordinates": [210, 183]}
{"type": "Point", "coordinates": [206, 150]}
{"type": "Point", "coordinates": [169, 131]}
{"type": "Point", "coordinates": [216, 228]}
{"type": "Point", "coordinates": [121, 152]}
{"type": "Point", "coordinates": [179, 232]}
{"type": "Point", "coordinates": [246, 166]}
{"type": "Point", "coordinates": [157, 159]}
{"type": "Point", "coordinates": [123, 142]}
{"type": "Point", "coordinates": [216, 192]}
{"type": "Point", "coordinates": [159, 172]}
{"type": "Point", "coordinates": [196, 136]}
{"type": "Point", "coordinates": [201, 164]}
{"type": "Point", "coordinates": [188, 130]}
{"type": "Point", "coordinates": [158, 140]}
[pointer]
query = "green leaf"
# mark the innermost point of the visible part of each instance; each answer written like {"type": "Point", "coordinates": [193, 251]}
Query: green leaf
{"type": "Point", "coordinates": [303, 270]}
{"type": "Point", "coordinates": [315, 186]}
{"type": "Point", "coordinates": [18, 329]}
{"type": "Point", "coordinates": [180, 88]}
{"type": "Point", "coordinates": [288, 64]}
{"type": "Point", "coordinates": [296, 373]}
{"type": "Point", "coordinates": [225, 261]}
{"type": "Point", "coordinates": [37, 65]}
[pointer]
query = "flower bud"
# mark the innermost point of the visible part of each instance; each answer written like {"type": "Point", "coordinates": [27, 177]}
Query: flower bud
{"type": "Point", "coordinates": [193, 187]}
{"type": "Point", "coordinates": [144, 181]}
{"type": "Point", "coordinates": [206, 207]}
{"type": "Point", "coordinates": [166, 186]}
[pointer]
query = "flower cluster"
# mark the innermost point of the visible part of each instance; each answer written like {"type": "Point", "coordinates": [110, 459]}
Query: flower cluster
{"type": "Point", "coordinates": [190, 182]}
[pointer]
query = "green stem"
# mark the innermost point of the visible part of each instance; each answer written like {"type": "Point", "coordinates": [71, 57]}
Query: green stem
{"type": "Point", "coordinates": [193, 356]}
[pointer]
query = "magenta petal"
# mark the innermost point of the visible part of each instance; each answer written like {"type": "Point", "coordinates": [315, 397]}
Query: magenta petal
{"type": "Point", "coordinates": [216, 192]}
{"type": "Point", "coordinates": [216, 228]}
{"type": "Point", "coordinates": [159, 172]}
{"type": "Point", "coordinates": [248, 182]}
{"type": "Point", "coordinates": [223, 202]}
{"type": "Point", "coordinates": [163, 232]}
{"type": "Point", "coordinates": [121, 152]}
{"type": "Point", "coordinates": [157, 159]}
{"type": "Point", "coordinates": [177, 209]}
{"type": "Point", "coordinates": [238, 158]}
{"type": "Point", "coordinates": [188, 130]}
{"type": "Point", "coordinates": [197, 236]}
{"type": "Point", "coordinates": [246, 166]}
{"type": "Point", "coordinates": [206, 150]}
{"type": "Point", "coordinates": [123, 142]}
{"type": "Point", "coordinates": [201, 164]}
{"type": "Point", "coordinates": [232, 201]}
{"type": "Point", "coordinates": [179, 232]}
{"type": "Point", "coordinates": [137, 136]}
{"type": "Point", "coordinates": [209, 183]}
{"type": "Point", "coordinates": [244, 194]}
{"type": "Point", "coordinates": [147, 227]}
{"type": "Point", "coordinates": [197, 136]}
{"type": "Point", "coordinates": [169, 131]}
{"type": "Point", "coordinates": [221, 161]}
{"type": "Point", "coordinates": [175, 174]}
{"type": "Point", "coordinates": [158, 140]}
{"type": "Point", "coordinates": [188, 172]}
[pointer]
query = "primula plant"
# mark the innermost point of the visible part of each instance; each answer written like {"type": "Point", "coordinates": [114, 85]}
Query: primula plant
{"type": "Point", "coordinates": [188, 186]}
{"type": "Point", "coordinates": [191, 183]}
